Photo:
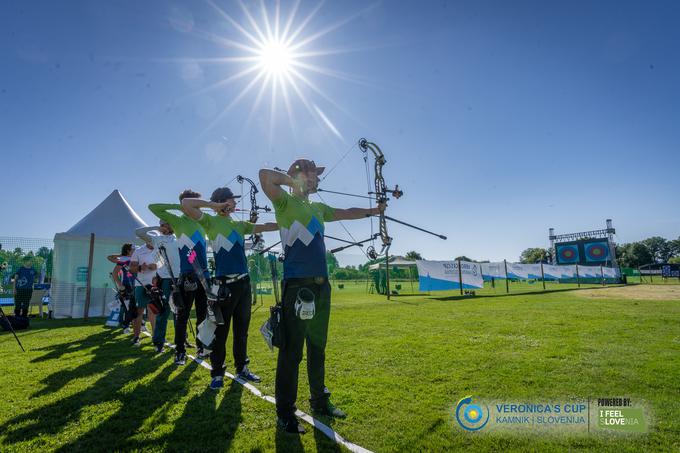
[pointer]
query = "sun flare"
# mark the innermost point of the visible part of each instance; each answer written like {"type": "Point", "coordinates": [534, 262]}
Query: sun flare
{"type": "Point", "coordinates": [276, 58]}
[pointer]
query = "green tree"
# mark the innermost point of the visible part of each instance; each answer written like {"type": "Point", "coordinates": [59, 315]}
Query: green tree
{"type": "Point", "coordinates": [634, 254]}
{"type": "Point", "coordinates": [534, 255]}
{"type": "Point", "coordinates": [674, 260]}
{"type": "Point", "coordinates": [464, 258]}
{"type": "Point", "coordinates": [413, 255]}
{"type": "Point", "coordinates": [331, 262]}
{"type": "Point", "coordinates": [660, 249]}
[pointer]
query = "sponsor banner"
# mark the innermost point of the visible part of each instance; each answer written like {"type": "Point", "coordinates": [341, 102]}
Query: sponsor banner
{"type": "Point", "coordinates": [590, 272]}
{"type": "Point", "coordinates": [610, 272]}
{"type": "Point", "coordinates": [524, 271]}
{"type": "Point", "coordinates": [493, 270]}
{"type": "Point", "coordinates": [553, 272]}
{"type": "Point", "coordinates": [444, 275]}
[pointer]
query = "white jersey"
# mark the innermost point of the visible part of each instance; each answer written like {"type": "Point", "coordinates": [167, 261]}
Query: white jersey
{"type": "Point", "coordinates": [145, 255]}
{"type": "Point", "coordinates": [169, 241]}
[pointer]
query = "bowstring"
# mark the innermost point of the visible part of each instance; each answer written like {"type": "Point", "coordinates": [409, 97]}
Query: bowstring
{"type": "Point", "coordinates": [335, 165]}
{"type": "Point", "coordinates": [345, 228]}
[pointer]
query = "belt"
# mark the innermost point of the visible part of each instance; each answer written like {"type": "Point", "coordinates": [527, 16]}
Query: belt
{"type": "Point", "coordinates": [231, 279]}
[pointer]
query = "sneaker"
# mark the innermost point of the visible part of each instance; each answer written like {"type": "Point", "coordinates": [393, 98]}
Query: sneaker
{"type": "Point", "coordinates": [329, 410]}
{"type": "Point", "coordinates": [201, 353]}
{"type": "Point", "coordinates": [159, 348]}
{"type": "Point", "coordinates": [144, 329]}
{"type": "Point", "coordinates": [180, 358]}
{"type": "Point", "coordinates": [217, 383]}
{"type": "Point", "coordinates": [246, 375]}
{"type": "Point", "coordinates": [127, 330]}
{"type": "Point", "coordinates": [135, 342]}
{"type": "Point", "coordinates": [290, 425]}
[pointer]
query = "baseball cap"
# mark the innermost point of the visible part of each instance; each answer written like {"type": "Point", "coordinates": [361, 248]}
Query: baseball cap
{"type": "Point", "coordinates": [304, 165]}
{"type": "Point", "coordinates": [222, 194]}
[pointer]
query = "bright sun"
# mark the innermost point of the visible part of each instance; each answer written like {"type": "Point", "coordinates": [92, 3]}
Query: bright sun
{"type": "Point", "coordinates": [276, 58]}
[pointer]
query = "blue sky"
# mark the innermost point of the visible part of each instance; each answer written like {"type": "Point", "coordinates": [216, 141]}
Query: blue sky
{"type": "Point", "coordinates": [498, 119]}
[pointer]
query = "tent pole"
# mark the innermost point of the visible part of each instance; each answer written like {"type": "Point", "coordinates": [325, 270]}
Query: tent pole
{"type": "Point", "coordinates": [88, 290]}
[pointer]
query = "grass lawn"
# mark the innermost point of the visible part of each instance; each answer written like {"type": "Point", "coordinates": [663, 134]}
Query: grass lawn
{"type": "Point", "coordinates": [398, 368]}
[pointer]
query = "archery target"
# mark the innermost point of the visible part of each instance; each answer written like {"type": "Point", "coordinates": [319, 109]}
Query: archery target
{"type": "Point", "coordinates": [596, 251]}
{"type": "Point", "coordinates": [567, 254]}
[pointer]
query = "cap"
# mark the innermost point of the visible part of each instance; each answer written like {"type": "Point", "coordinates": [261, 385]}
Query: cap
{"type": "Point", "coordinates": [222, 194]}
{"type": "Point", "coordinates": [304, 165]}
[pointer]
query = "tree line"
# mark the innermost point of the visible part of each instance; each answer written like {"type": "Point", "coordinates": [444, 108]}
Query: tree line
{"type": "Point", "coordinates": [633, 254]}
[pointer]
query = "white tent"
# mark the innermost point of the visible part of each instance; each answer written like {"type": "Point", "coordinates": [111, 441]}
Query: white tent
{"type": "Point", "coordinates": [113, 223]}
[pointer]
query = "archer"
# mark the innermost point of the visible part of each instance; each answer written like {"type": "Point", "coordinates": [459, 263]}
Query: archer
{"type": "Point", "coordinates": [226, 237]}
{"type": "Point", "coordinates": [306, 291]}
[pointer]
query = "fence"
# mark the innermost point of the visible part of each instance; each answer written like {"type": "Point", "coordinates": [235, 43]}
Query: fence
{"type": "Point", "coordinates": [16, 252]}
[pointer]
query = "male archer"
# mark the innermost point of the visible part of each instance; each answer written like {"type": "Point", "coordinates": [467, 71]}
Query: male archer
{"type": "Point", "coordinates": [227, 238]}
{"type": "Point", "coordinates": [301, 223]}
{"type": "Point", "coordinates": [190, 236]}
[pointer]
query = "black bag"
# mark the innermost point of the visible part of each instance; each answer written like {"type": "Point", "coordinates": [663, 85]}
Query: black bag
{"type": "Point", "coordinates": [276, 325]}
{"type": "Point", "coordinates": [223, 294]}
{"type": "Point", "coordinates": [15, 322]}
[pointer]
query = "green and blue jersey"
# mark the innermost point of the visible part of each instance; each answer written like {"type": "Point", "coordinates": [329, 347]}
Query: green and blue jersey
{"type": "Point", "coordinates": [190, 235]}
{"type": "Point", "coordinates": [227, 239]}
{"type": "Point", "coordinates": [301, 224]}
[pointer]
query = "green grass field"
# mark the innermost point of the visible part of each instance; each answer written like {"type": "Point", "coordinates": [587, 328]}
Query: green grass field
{"type": "Point", "coordinates": [398, 368]}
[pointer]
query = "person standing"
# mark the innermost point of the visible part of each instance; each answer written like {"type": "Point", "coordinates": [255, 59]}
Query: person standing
{"type": "Point", "coordinates": [306, 292]}
{"type": "Point", "coordinates": [227, 238]}
{"type": "Point", "coordinates": [23, 287]}
{"type": "Point", "coordinates": [125, 282]}
{"type": "Point", "coordinates": [144, 263]}
{"type": "Point", "coordinates": [190, 237]}
{"type": "Point", "coordinates": [162, 236]}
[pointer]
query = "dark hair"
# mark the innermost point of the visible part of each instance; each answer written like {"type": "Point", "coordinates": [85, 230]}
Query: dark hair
{"type": "Point", "coordinates": [188, 193]}
{"type": "Point", "coordinates": [126, 249]}
{"type": "Point", "coordinates": [221, 194]}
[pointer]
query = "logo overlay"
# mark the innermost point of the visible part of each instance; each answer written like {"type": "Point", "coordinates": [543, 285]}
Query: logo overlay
{"type": "Point", "coordinates": [471, 416]}
{"type": "Point", "coordinates": [588, 416]}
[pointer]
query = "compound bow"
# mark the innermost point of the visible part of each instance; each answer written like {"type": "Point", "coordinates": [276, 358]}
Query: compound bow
{"type": "Point", "coordinates": [254, 208]}
{"type": "Point", "coordinates": [380, 194]}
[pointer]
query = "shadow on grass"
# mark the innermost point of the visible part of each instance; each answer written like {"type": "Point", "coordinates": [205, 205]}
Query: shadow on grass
{"type": "Point", "coordinates": [50, 419]}
{"type": "Point", "coordinates": [205, 425]}
{"type": "Point", "coordinates": [522, 293]}
{"type": "Point", "coordinates": [56, 351]}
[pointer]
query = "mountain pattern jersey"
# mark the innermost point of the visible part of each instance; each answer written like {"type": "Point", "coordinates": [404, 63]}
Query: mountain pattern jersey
{"type": "Point", "coordinates": [227, 239]}
{"type": "Point", "coordinates": [190, 235]}
{"type": "Point", "coordinates": [301, 225]}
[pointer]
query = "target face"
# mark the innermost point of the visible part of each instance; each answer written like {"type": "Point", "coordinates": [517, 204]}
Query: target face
{"type": "Point", "coordinates": [567, 254]}
{"type": "Point", "coordinates": [597, 251]}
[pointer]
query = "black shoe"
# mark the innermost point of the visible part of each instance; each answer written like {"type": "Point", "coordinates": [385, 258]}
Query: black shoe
{"type": "Point", "coordinates": [246, 375]}
{"type": "Point", "coordinates": [159, 348]}
{"type": "Point", "coordinates": [180, 358]}
{"type": "Point", "coordinates": [329, 410]}
{"type": "Point", "coordinates": [290, 425]}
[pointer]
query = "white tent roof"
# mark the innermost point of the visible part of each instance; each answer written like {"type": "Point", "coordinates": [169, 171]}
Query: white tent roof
{"type": "Point", "coordinates": [113, 218]}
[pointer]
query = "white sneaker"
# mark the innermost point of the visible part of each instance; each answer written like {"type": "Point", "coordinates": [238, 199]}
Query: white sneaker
{"type": "Point", "coordinates": [144, 329]}
{"type": "Point", "coordinates": [127, 330]}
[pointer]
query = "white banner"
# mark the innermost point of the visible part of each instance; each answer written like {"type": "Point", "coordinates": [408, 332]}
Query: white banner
{"type": "Point", "coordinates": [552, 272]}
{"type": "Point", "coordinates": [610, 272]}
{"type": "Point", "coordinates": [589, 272]}
{"type": "Point", "coordinates": [493, 270]}
{"type": "Point", "coordinates": [524, 271]}
{"type": "Point", "coordinates": [444, 275]}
